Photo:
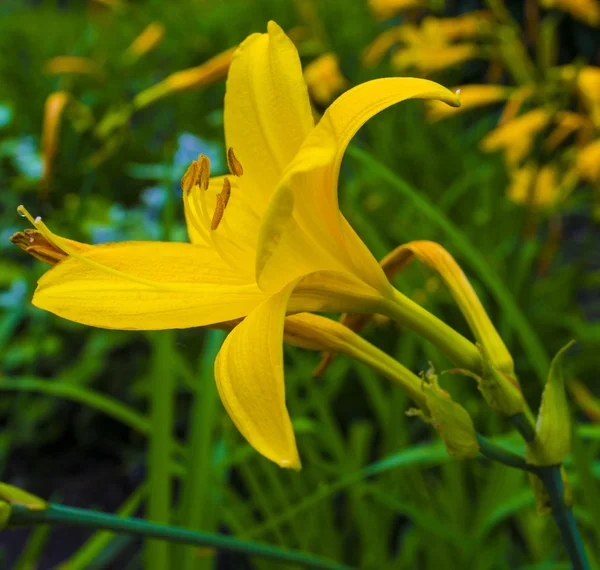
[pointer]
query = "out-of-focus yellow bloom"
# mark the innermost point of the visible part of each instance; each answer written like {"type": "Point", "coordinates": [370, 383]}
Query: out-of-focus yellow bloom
{"type": "Point", "coordinates": [71, 64]}
{"type": "Point", "coordinates": [324, 78]}
{"type": "Point", "coordinates": [466, 26]}
{"type": "Point", "coordinates": [568, 123]}
{"type": "Point", "coordinates": [429, 47]}
{"type": "Point", "coordinates": [514, 103]}
{"type": "Point", "coordinates": [192, 78]}
{"type": "Point", "coordinates": [433, 58]}
{"type": "Point", "coordinates": [587, 162]}
{"type": "Point", "coordinates": [375, 51]}
{"type": "Point", "coordinates": [266, 241]}
{"type": "Point", "coordinates": [471, 97]}
{"type": "Point", "coordinates": [54, 108]}
{"type": "Point", "coordinates": [587, 11]}
{"type": "Point", "coordinates": [384, 9]}
{"type": "Point", "coordinates": [516, 137]}
{"type": "Point", "coordinates": [148, 39]}
{"type": "Point", "coordinates": [536, 186]}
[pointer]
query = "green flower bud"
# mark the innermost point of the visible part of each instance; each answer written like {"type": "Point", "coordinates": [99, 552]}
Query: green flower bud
{"type": "Point", "coordinates": [501, 391]}
{"type": "Point", "coordinates": [450, 419]}
{"type": "Point", "coordinates": [14, 496]}
{"type": "Point", "coordinates": [552, 441]}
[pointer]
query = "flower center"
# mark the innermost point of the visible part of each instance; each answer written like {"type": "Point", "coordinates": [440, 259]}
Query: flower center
{"type": "Point", "coordinates": [195, 183]}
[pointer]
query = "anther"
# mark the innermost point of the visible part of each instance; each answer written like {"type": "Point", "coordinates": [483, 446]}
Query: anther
{"type": "Point", "coordinates": [198, 173]}
{"type": "Point", "coordinates": [233, 163]}
{"type": "Point", "coordinates": [204, 164]}
{"type": "Point", "coordinates": [191, 177]}
{"type": "Point", "coordinates": [218, 215]}
{"type": "Point", "coordinates": [226, 192]}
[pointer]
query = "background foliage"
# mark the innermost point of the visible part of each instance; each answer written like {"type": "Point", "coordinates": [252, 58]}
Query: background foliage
{"type": "Point", "coordinates": [377, 489]}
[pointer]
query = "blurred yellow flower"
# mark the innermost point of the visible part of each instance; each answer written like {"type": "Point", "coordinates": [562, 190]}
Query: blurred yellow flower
{"type": "Point", "coordinates": [148, 39]}
{"type": "Point", "coordinates": [266, 241]}
{"type": "Point", "coordinates": [384, 9]}
{"type": "Point", "coordinates": [429, 46]}
{"type": "Point", "coordinates": [54, 108]}
{"type": "Point", "coordinates": [516, 137]}
{"type": "Point", "coordinates": [433, 57]}
{"type": "Point", "coordinates": [471, 97]}
{"type": "Point", "coordinates": [537, 186]}
{"type": "Point", "coordinates": [587, 11]}
{"type": "Point", "coordinates": [71, 64]}
{"type": "Point", "coordinates": [587, 162]}
{"type": "Point", "coordinates": [209, 72]}
{"type": "Point", "coordinates": [324, 78]}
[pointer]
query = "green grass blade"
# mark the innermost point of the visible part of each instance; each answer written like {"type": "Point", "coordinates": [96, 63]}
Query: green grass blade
{"type": "Point", "coordinates": [162, 385]}
{"type": "Point", "coordinates": [197, 491]}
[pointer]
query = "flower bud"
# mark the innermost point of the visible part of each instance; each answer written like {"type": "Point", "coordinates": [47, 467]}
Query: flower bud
{"type": "Point", "coordinates": [450, 419]}
{"type": "Point", "coordinates": [552, 441]}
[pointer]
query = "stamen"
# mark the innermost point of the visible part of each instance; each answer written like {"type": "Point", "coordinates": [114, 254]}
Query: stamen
{"type": "Point", "coordinates": [63, 245]}
{"type": "Point", "coordinates": [198, 173]}
{"type": "Point", "coordinates": [218, 215]}
{"type": "Point", "coordinates": [233, 163]}
{"type": "Point", "coordinates": [191, 177]}
{"type": "Point", "coordinates": [204, 164]}
{"type": "Point", "coordinates": [226, 192]}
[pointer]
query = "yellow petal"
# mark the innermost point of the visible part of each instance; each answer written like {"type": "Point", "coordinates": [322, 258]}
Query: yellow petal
{"type": "Point", "coordinates": [267, 111]}
{"type": "Point", "coordinates": [307, 195]}
{"type": "Point", "coordinates": [146, 286]}
{"type": "Point", "coordinates": [436, 257]}
{"type": "Point", "coordinates": [249, 375]}
{"type": "Point", "coordinates": [587, 11]}
{"type": "Point", "coordinates": [236, 236]}
{"type": "Point", "coordinates": [319, 333]}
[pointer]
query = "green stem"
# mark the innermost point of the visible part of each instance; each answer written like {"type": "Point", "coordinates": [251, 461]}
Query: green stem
{"type": "Point", "coordinates": [497, 453]}
{"type": "Point", "coordinates": [563, 516]}
{"type": "Point", "coordinates": [524, 425]}
{"type": "Point", "coordinates": [57, 514]}
{"type": "Point", "coordinates": [162, 388]}
{"type": "Point", "coordinates": [408, 313]}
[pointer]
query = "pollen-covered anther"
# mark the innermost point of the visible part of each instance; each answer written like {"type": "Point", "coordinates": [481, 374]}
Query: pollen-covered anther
{"type": "Point", "coordinates": [234, 165]}
{"type": "Point", "coordinates": [218, 215]}
{"type": "Point", "coordinates": [197, 174]}
{"type": "Point", "coordinates": [226, 192]}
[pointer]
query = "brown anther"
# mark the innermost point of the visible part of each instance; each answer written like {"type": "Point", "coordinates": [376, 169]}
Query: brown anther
{"type": "Point", "coordinates": [218, 215]}
{"type": "Point", "coordinates": [198, 173]}
{"type": "Point", "coordinates": [226, 192]}
{"type": "Point", "coordinates": [233, 163]}
{"type": "Point", "coordinates": [204, 164]}
{"type": "Point", "coordinates": [34, 243]}
{"type": "Point", "coordinates": [191, 177]}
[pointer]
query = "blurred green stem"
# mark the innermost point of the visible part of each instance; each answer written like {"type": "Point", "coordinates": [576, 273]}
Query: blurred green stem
{"type": "Point", "coordinates": [58, 514]}
{"type": "Point", "coordinates": [197, 490]}
{"type": "Point", "coordinates": [162, 388]}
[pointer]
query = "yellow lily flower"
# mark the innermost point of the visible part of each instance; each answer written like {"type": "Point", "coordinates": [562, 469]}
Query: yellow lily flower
{"type": "Point", "coordinates": [383, 9]}
{"type": "Point", "coordinates": [267, 241]}
{"type": "Point", "coordinates": [536, 186]}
